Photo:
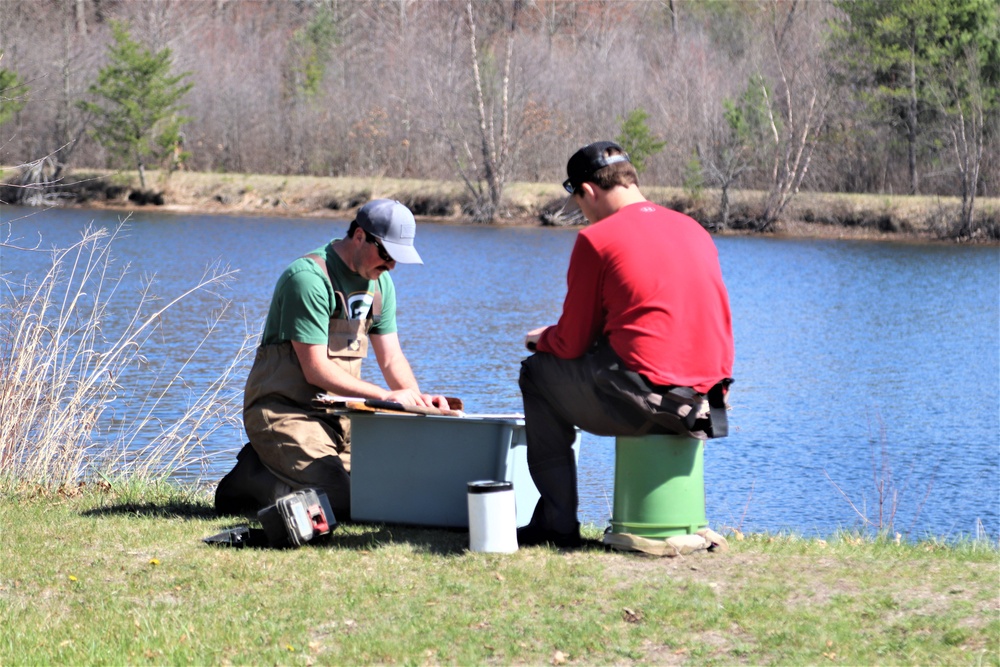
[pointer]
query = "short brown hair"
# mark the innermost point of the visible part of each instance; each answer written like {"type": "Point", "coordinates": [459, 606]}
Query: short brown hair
{"type": "Point", "coordinates": [619, 173]}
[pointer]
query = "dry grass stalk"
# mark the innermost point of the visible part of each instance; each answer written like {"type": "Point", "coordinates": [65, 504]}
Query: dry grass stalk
{"type": "Point", "coordinates": [881, 518]}
{"type": "Point", "coordinates": [61, 371]}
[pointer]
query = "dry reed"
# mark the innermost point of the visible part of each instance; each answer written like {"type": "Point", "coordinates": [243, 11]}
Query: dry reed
{"type": "Point", "coordinates": [62, 370]}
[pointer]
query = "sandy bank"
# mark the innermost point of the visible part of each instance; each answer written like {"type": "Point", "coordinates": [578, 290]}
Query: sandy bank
{"type": "Point", "coordinates": [809, 214]}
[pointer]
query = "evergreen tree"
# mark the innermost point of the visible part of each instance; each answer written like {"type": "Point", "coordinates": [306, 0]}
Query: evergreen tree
{"type": "Point", "coordinates": [309, 53]}
{"type": "Point", "coordinates": [138, 102]}
{"type": "Point", "coordinates": [694, 178]}
{"type": "Point", "coordinates": [898, 53]}
{"type": "Point", "coordinates": [12, 94]}
{"type": "Point", "coordinates": [638, 140]}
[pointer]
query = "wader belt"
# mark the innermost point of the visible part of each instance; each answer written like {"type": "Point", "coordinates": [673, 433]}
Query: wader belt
{"type": "Point", "coordinates": [675, 403]}
{"type": "Point", "coordinates": [670, 409]}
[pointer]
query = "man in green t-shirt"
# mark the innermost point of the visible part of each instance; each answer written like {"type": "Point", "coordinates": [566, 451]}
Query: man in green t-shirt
{"type": "Point", "coordinates": [327, 307]}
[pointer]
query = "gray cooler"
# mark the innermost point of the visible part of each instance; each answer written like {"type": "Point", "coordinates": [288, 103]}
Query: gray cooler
{"type": "Point", "coordinates": [414, 470]}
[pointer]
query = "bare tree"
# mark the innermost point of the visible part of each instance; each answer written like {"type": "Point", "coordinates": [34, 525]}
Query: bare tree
{"type": "Point", "coordinates": [70, 124]}
{"type": "Point", "coordinates": [80, 10]}
{"type": "Point", "coordinates": [494, 128]}
{"type": "Point", "coordinates": [963, 105]}
{"type": "Point", "coordinates": [491, 91]}
{"type": "Point", "coordinates": [726, 158]}
{"type": "Point", "coordinates": [795, 112]}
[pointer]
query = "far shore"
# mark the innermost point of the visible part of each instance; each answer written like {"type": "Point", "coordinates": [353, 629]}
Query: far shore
{"type": "Point", "coordinates": [920, 218]}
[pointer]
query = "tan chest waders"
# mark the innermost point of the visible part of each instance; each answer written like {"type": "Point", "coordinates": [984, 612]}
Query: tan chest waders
{"type": "Point", "coordinates": [303, 446]}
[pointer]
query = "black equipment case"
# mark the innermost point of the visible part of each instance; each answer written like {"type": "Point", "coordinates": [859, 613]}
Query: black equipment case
{"type": "Point", "coordinates": [297, 518]}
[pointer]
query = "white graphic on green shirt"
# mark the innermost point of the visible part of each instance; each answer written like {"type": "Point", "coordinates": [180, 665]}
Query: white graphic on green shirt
{"type": "Point", "coordinates": [358, 304]}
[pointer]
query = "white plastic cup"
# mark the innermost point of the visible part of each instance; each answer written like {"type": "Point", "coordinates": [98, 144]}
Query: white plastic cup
{"type": "Point", "coordinates": [492, 517]}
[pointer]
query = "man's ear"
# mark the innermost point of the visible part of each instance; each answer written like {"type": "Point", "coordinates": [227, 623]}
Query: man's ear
{"type": "Point", "coordinates": [588, 190]}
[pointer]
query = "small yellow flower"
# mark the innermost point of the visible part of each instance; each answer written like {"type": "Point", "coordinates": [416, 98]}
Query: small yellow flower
{"type": "Point", "coordinates": [290, 647]}
{"type": "Point", "coordinates": [72, 578]}
{"type": "Point", "coordinates": [154, 561]}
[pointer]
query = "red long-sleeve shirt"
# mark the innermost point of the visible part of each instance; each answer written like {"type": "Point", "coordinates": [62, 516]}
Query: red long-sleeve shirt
{"type": "Point", "coordinates": [649, 280]}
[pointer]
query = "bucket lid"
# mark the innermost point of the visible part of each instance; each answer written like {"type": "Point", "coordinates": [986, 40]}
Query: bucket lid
{"type": "Point", "coordinates": [489, 486]}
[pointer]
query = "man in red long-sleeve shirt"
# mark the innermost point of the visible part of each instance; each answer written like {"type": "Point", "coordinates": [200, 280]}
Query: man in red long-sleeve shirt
{"type": "Point", "coordinates": [644, 343]}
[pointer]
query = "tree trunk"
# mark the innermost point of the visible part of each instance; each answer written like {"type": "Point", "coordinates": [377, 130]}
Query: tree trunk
{"type": "Point", "coordinates": [486, 149]}
{"type": "Point", "coordinates": [81, 17]}
{"type": "Point", "coordinates": [967, 137]}
{"type": "Point", "coordinates": [495, 150]}
{"type": "Point", "coordinates": [63, 106]}
{"type": "Point", "coordinates": [793, 147]}
{"type": "Point", "coordinates": [725, 206]}
{"type": "Point", "coordinates": [911, 117]}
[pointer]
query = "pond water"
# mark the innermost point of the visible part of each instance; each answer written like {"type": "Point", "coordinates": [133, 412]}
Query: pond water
{"type": "Point", "coordinates": [846, 352]}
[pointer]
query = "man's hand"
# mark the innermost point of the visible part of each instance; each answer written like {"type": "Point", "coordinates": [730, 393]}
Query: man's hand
{"type": "Point", "coordinates": [414, 397]}
{"type": "Point", "coordinates": [531, 339]}
{"type": "Point", "coordinates": [439, 402]}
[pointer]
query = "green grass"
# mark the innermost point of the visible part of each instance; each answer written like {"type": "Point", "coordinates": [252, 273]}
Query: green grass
{"type": "Point", "coordinates": [116, 573]}
{"type": "Point", "coordinates": [95, 576]}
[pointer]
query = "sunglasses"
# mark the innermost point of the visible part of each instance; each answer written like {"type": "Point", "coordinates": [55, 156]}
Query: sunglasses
{"type": "Point", "coordinates": [382, 252]}
{"type": "Point", "coordinates": [568, 186]}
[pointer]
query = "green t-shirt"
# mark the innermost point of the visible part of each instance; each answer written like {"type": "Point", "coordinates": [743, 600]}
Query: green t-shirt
{"type": "Point", "coordinates": [303, 300]}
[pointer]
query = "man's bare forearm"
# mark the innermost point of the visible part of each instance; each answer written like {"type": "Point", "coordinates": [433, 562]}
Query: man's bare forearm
{"type": "Point", "coordinates": [321, 371]}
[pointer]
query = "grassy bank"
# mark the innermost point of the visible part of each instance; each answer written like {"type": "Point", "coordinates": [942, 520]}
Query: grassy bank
{"type": "Point", "coordinates": [94, 576]}
{"type": "Point", "coordinates": [808, 215]}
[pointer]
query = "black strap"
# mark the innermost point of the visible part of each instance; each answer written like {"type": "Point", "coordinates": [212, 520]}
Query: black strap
{"type": "Point", "coordinates": [718, 409]}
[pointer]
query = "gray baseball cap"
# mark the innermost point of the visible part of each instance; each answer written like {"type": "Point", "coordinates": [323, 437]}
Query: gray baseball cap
{"type": "Point", "coordinates": [394, 226]}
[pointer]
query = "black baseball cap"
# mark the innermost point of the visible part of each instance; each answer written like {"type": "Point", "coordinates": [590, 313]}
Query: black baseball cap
{"type": "Point", "coordinates": [393, 225]}
{"type": "Point", "coordinates": [588, 160]}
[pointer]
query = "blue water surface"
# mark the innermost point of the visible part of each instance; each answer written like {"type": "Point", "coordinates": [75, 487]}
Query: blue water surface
{"type": "Point", "coordinates": [856, 361]}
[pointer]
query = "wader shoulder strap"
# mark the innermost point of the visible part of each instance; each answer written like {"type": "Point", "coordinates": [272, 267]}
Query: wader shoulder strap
{"type": "Point", "coordinates": [374, 314]}
{"type": "Point", "coordinates": [376, 311]}
{"type": "Point", "coordinates": [321, 263]}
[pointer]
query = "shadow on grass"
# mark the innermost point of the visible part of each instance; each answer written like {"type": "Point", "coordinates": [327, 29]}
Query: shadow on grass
{"type": "Point", "coordinates": [364, 537]}
{"type": "Point", "coordinates": [437, 541]}
{"type": "Point", "coordinates": [348, 535]}
{"type": "Point", "coordinates": [179, 509]}
{"type": "Point", "coordinates": [371, 537]}
{"type": "Point", "coordinates": [353, 537]}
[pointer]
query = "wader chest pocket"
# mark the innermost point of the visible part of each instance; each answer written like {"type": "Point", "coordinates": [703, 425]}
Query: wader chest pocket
{"type": "Point", "coordinates": [348, 338]}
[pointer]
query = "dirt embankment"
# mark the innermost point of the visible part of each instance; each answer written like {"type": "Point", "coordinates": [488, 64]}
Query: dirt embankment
{"type": "Point", "coordinates": [827, 215]}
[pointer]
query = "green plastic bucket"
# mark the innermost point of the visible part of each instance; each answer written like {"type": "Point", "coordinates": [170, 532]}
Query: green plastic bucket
{"type": "Point", "coordinates": [659, 486]}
